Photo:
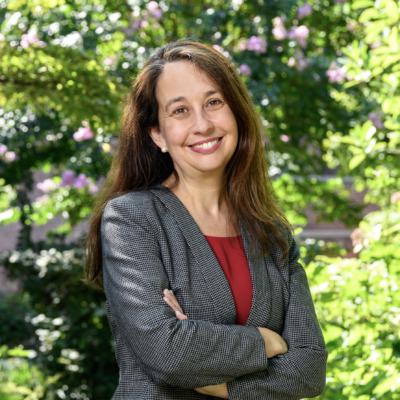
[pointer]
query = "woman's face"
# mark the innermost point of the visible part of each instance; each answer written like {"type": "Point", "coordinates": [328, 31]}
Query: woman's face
{"type": "Point", "coordinates": [196, 125]}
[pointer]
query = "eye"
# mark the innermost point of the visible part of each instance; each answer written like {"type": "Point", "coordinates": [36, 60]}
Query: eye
{"type": "Point", "coordinates": [215, 102]}
{"type": "Point", "coordinates": [179, 111]}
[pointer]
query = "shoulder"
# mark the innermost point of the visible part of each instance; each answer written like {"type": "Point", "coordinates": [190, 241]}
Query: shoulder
{"type": "Point", "coordinates": [140, 205]}
{"type": "Point", "coordinates": [143, 200]}
{"type": "Point", "coordinates": [284, 231]}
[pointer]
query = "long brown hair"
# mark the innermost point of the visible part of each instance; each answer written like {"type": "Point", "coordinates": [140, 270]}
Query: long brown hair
{"type": "Point", "coordinates": [139, 164]}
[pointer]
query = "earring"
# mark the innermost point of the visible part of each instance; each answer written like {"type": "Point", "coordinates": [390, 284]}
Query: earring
{"type": "Point", "coordinates": [164, 149]}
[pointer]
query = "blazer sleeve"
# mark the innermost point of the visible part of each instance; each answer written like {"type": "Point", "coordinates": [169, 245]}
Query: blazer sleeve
{"type": "Point", "coordinates": [186, 354]}
{"type": "Point", "coordinates": [301, 372]}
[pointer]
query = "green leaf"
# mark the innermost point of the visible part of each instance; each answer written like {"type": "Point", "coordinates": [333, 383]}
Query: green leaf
{"type": "Point", "coordinates": [393, 39]}
{"type": "Point", "coordinates": [351, 83]}
{"type": "Point", "coordinates": [391, 105]}
{"type": "Point", "coordinates": [369, 14]}
{"type": "Point", "coordinates": [17, 352]}
{"type": "Point", "coordinates": [362, 4]}
{"type": "Point", "coordinates": [392, 9]}
{"type": "Point", "coordinates": [390, 124]}
{"type": "Point", "coordinates": [356, 160]}
{"type": "Point", "coordinates": [46, 168]}
{"type": "Point", "coordinates": [391, 60]}
{"type": "Point", "coordinates": [373, 30]}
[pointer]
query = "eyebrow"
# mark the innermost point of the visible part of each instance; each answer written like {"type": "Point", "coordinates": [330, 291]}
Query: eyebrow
{"type": "Point", "coordinates": [182, 98]}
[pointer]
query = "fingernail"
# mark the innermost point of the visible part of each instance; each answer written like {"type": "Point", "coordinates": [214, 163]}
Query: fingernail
{"type": "Point", "coordinates": [179, 312]}
{"type": "Point", "coordinates": [171, 292]}
{"type": "Point", "coordinates": [166, 298]}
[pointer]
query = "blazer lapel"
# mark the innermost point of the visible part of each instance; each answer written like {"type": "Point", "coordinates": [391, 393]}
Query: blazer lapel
{"type": "Point", "coordinates": [262, 301]}
{"type": "Point", "coordinates": [214, 276]}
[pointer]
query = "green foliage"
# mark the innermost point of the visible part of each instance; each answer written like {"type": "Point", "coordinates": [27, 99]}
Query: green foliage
{"type": "Point", "coordinates": [19, 380]}
{"type": "Point", "coordinates": [357, 301]}
{"type": "Point", "coordinates": [67, 320]}
{"type": "Point", "coordinates": [94, 49]}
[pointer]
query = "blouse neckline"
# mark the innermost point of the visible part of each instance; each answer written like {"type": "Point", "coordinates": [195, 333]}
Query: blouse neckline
{"type": "Point", "coordinates": [222, 237]}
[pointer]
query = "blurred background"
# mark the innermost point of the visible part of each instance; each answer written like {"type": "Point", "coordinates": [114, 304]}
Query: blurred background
{"type": "Point", "coordinates": [324, 76]}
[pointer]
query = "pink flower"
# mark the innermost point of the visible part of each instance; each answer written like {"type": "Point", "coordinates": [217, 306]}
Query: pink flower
{"type": "Point", "coordinates": [134, 25]}
{"type": "Point", "coordinates": [93, 188]}
{"type": "Point", "coordinates": [67, 178]}
{"type": "Point", "coordinates": [110, 60]}
{"type": "Point", "coordinates": [46, 186]}
{"type": "Point", "coordinates": [3, 149]}
{"type": "Point", "coordinates": [285, 138]}
{"type": "Point", "coordinates": [357, 237]}
{"type": "Point", "coordinates": [395, 197]}
{"type": "Point", "coordinates": [302, 63]}
{"type": "Point", "coordinates": [154, 10]}
{"type": "Point", "coordinates": [42, 199]}
{"type": "Point", "coordinates": [153, 5]}
{"type": "Point", "coordinates": [351, 26]}
{"type": "Point", "coordinates": [335, 73]}
{"type": "Point", "coordinates": [83, 133]}
{"type": "Point", "coordinates": [81, 181]}
{"type": "Point", "coordinates": [299, 33]}
{"type": "Point", "coordinates": [10, 156]}
{"type": "Point", "coordinates": [375, 45]}
{"type": "Point", "coordinates": [299, 62]}
{"type": "Point", "coordinates": [143, 24]}
{"type": "Point", "coordinates": [221, 50]}
{"type": "Point", "coordinates": [157, 13]}
{"type": "Point", "coordinates": [376, 119]}
{"type": "Point", "coordinates": [291, 62]}
{"type": "Point", "coordinates": [242, 46]}
{"type": "Point", "coordinates": [304, 11]}
{"type": "Point", "coordinates": [2, 38]}
{"type": "Point", "coordinates": [218, 48]}
{"type": "Point", "coordinates": [279, 31]}
{"type": "Point", "coordinates": [30, 38]}
{"type": "Point", "coordinates": [245, 69]}
{"type": "Point", "coordinates": [257, 44]}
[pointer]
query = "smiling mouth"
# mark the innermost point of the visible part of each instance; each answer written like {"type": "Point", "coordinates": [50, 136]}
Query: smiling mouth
{"type": "Point", "coordinates": [207, 145]}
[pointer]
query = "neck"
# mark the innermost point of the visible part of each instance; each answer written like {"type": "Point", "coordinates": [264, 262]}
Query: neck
{"type": "Point", "coordinates": [203, 194]}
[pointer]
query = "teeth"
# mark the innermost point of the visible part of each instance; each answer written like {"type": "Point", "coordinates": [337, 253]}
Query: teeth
{"type": "Point", "coordinates": [207, 145]}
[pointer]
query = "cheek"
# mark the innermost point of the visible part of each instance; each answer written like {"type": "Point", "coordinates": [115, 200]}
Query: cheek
{"type": "Point", "coordinates": [232, 127]}
{"type": "Point", "coordinates": [173, 132]}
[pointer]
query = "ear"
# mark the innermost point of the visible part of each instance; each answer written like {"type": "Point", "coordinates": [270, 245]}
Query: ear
{"type": "Point", "coordinates": [157, 137]}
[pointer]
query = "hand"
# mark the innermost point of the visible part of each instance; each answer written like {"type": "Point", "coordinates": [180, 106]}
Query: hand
{"type": "Point", "coordinates": [220, 390]}
{"type": "Point", "coordinates": [170, 299]}
{"type": "Point", "coordinates": [274, 344]}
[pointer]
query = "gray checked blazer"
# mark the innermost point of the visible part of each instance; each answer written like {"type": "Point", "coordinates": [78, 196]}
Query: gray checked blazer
{"type": "Point", "coordinates": [150, 242]}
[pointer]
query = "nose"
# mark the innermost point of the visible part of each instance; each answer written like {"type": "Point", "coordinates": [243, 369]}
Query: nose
{"type": "Point", "coordinates": [201, 122]}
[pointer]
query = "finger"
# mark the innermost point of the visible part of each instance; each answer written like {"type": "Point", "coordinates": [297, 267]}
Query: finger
{"type": "Point", "coordinates": [170, 295]}
{"type": "Point", "coordinates": [178, 313]}
{"type": "Point", "coordinates": [180, 316]}
{"type": "Point", "coordinates": [172, 299]}
{"type": "Point", "coordinates": [169, 302]}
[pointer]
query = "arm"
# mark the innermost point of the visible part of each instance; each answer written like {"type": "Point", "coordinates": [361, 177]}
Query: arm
{"type": "Point", "coordinates": [301, 372]}
{"type": "Point", "coordinates": [187, 354]}
{"type": "Point", "coordinates": [273, 343]}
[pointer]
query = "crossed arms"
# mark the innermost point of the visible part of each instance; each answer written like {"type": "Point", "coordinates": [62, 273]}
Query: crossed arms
{"type": "Point", "coordinates": [193, 353]}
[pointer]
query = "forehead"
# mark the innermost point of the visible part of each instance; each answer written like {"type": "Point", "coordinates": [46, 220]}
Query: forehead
{"type": "Point", "coordinates": [183, 78]}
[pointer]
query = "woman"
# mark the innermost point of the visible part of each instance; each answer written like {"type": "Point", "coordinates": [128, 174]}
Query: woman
{"type": "Point", "coordinates": [205, 294]}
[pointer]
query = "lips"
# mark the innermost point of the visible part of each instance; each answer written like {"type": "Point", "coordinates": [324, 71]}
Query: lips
{"type": "Point", "coordinates": [206, 144]}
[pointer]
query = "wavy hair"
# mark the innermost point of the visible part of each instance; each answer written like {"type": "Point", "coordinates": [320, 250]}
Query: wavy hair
{"type": "Point", "coordinates": [139, 164]}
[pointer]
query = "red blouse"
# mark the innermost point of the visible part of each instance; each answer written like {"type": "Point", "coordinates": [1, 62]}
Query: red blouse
{"type": "Point", "coordinates": [234, 264]}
